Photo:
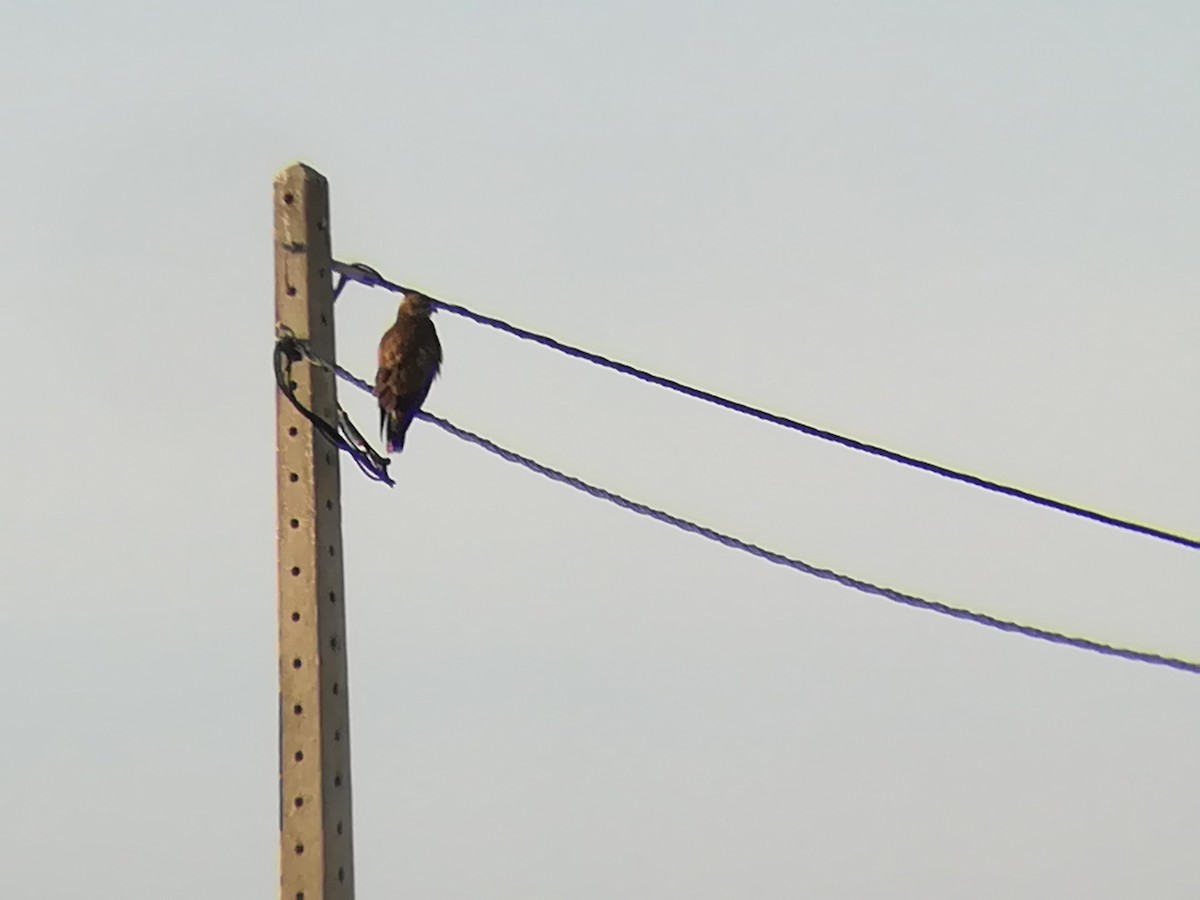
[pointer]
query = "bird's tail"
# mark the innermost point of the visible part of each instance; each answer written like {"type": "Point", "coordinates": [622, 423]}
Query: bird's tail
{"type": "Point", "coordinates": [395, 427]}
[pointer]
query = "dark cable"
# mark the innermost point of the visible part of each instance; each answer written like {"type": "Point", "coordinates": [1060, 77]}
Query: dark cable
{"type": "Point", "coordinates": [289, 350]}
{"type": "Point", "coordinates": [367, 276]}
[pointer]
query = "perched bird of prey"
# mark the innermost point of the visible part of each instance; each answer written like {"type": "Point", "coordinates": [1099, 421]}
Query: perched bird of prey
{"type": "Point", "coordinates": [409, 358]}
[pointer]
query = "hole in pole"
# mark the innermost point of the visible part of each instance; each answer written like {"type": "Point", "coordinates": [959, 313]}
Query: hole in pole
{"type": "Point", "coordinates": [295, 570]}
{"type": "Point", "coordinates": [297, 709]}
{"type": "Point", "coordinates": [294, 523]}
{"type": "Point", "coordinates": [296, 663]}
{"type": "Point", "coordinates": [291, 291]}
{"type": "Point", "coordinates": [298, 756]}
{"type": "Point", "coordinates": [295, 617]}
{"type": "Point", "coordinates": [299, 849]}
{"type": "Point", "coordinates": [289, 198]}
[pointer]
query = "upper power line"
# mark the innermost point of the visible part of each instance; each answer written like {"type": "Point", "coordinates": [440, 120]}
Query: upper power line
{"type": "Point", "coordinates": [368, 276]}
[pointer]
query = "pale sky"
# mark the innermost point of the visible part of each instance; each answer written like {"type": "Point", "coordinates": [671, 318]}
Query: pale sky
{"type": "Point", "coordinates": [966, 231]}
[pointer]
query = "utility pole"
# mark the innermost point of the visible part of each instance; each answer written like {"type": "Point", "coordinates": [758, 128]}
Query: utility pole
{"type": "Point", "coordinates": [316, 841]}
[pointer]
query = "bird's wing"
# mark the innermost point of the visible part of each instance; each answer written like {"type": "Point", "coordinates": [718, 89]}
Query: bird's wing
{"type": "Point", "coordinates": [409, 357]}
{"type": "Point", "coordinates": [391, 353]}
{"type": "Point", "coordinates": [427, 352]}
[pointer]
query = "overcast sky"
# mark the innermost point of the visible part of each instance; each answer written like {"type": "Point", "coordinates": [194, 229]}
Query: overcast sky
{"type": "Point", "coordinates": [966, 231]}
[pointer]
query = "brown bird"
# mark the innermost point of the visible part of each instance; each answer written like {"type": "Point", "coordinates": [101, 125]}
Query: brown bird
{"type": "Point", "coordinates": [410, 356]}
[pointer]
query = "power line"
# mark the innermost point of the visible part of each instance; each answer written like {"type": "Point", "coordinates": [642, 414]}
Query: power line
{"type": "Point", "coordinates": [801, 566]}
{"type": "Point", "coordinates": [368, 276]}
{"type": "Point", "coordinates": [771, 556]}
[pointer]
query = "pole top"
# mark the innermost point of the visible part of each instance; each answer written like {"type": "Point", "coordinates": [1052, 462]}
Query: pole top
{"type": "Point", "coordinates": [300, 171]}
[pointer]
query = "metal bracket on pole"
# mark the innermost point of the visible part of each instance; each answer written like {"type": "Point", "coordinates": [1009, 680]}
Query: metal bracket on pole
{"type": "Point", "coordinates": [316, 840]}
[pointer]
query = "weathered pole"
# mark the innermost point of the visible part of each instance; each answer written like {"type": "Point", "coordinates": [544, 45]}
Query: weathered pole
{"type": "Point", "coordinates": [316, 840]}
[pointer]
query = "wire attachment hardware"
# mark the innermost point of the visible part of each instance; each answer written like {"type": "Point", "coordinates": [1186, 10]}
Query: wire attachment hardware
{"type": "Point", "coordinates": [289, 350]}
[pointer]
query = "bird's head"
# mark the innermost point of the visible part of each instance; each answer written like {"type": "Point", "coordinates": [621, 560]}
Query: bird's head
{"type": "Point", "coordinates": [416, 304]}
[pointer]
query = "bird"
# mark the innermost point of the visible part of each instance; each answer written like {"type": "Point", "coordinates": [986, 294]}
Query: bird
{"type": "Point", "coordinates": [410, 357]}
